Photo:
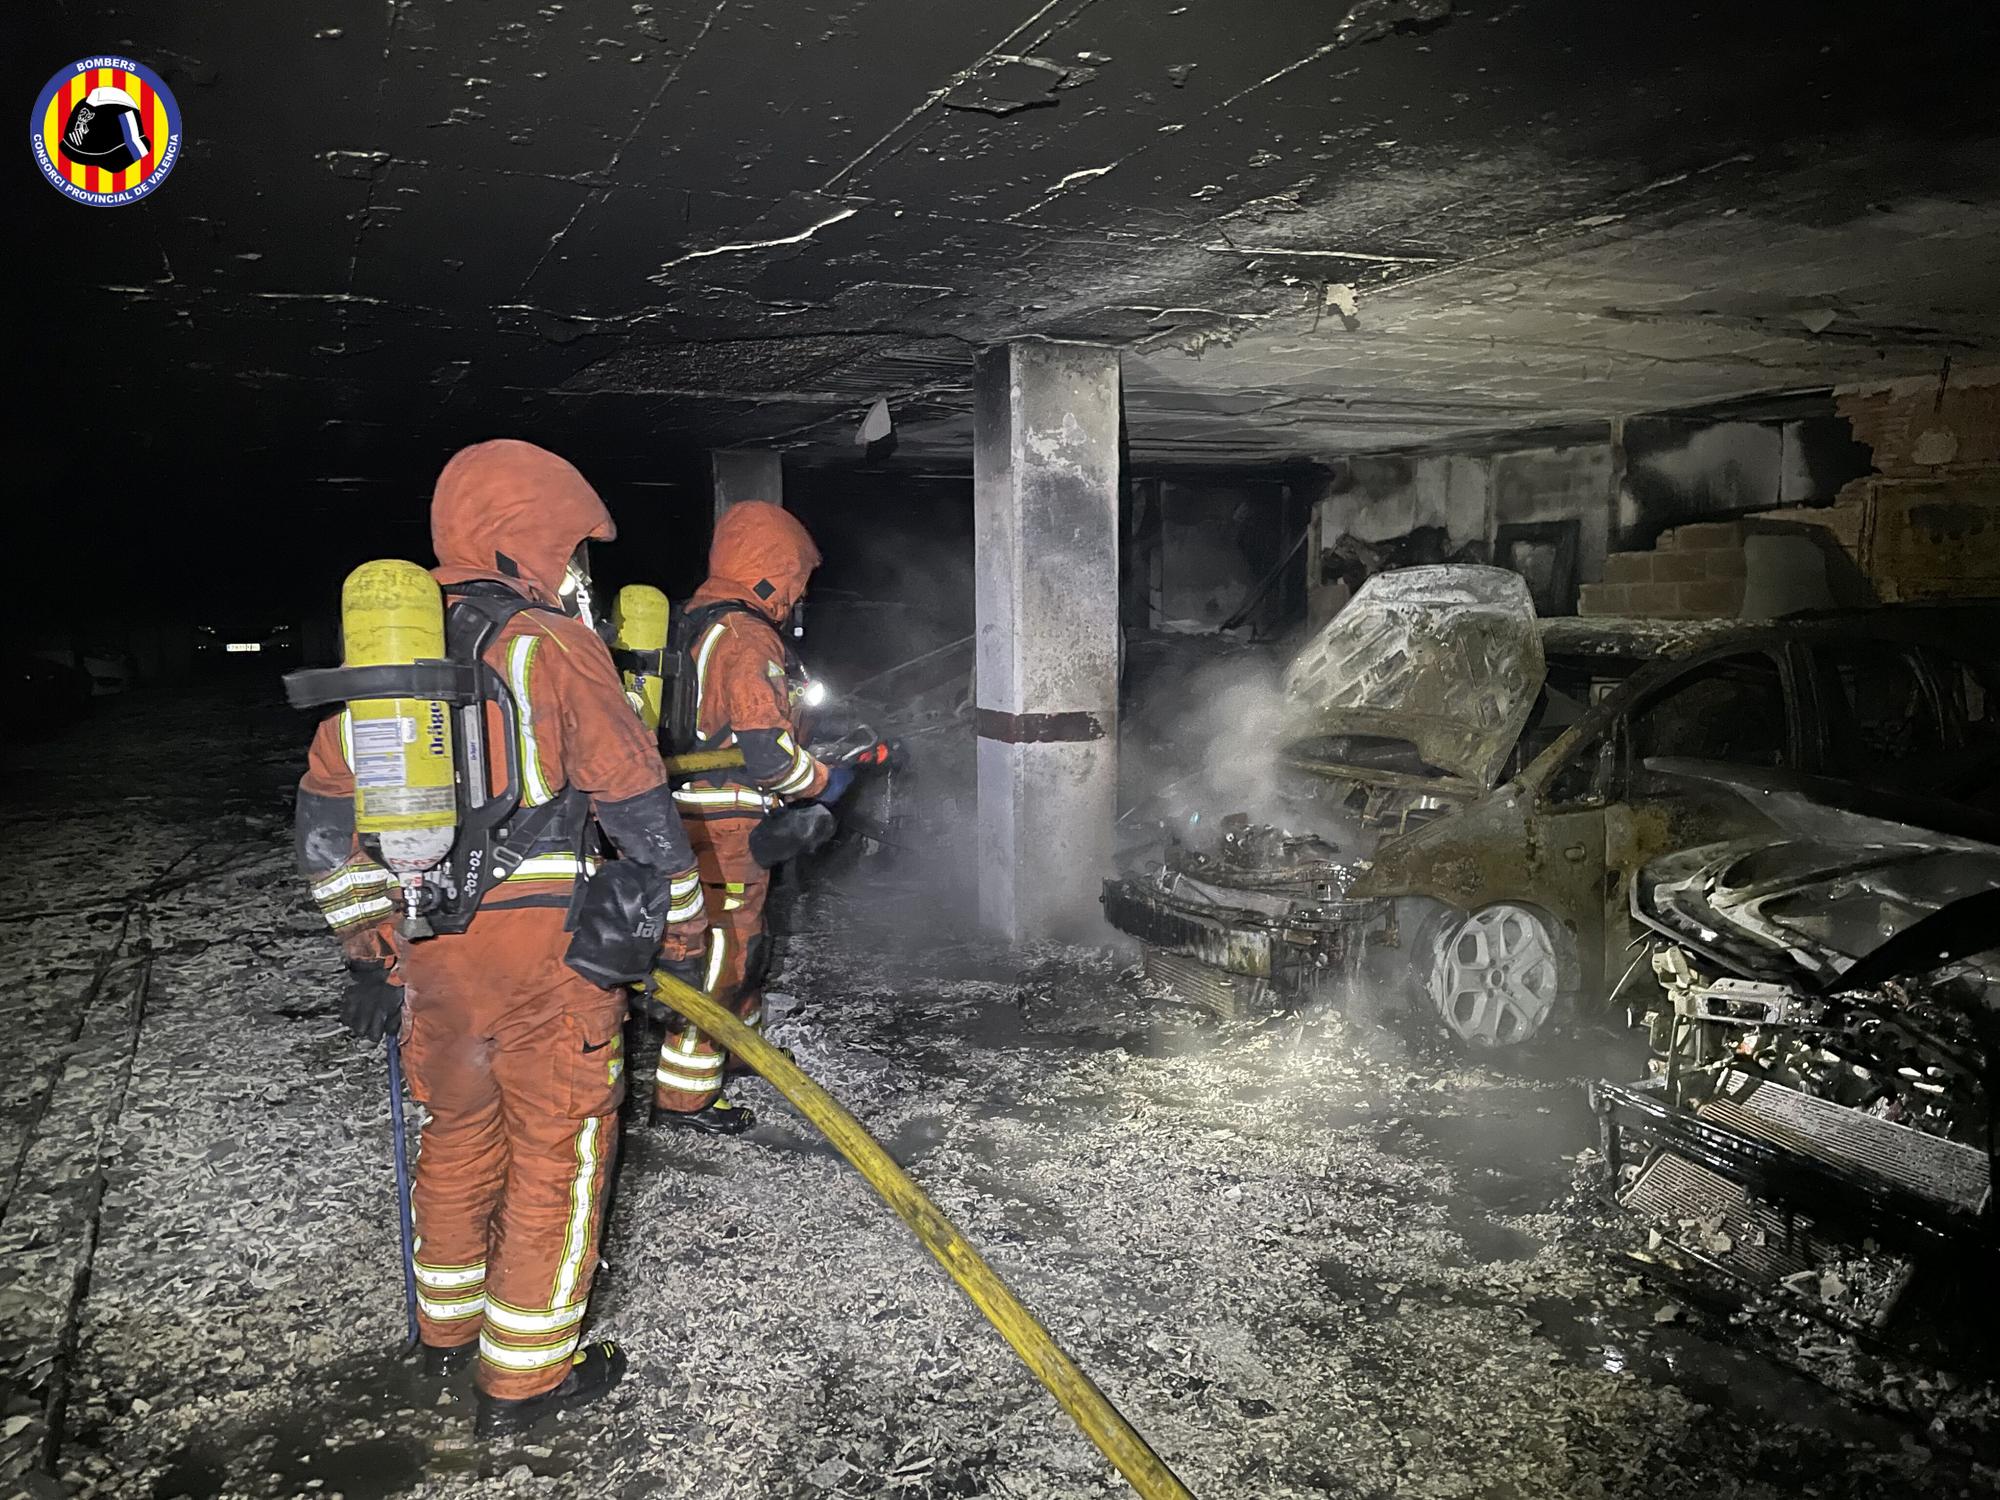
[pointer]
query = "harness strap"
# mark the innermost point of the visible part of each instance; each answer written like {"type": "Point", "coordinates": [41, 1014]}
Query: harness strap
{"type": "Point", "coordinates": [523, 834]}
{"type": "Point", "coordinates": [655, 663]}
{"type": "Point", "coordinates": [691, 629]}
{"type": "Point", "coordinates": [494, 840]}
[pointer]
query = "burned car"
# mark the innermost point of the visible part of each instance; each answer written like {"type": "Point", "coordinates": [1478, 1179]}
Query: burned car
{"type": "Point", "coordinates": [1819, 1114]}
{"type": "Point", "coordinates": [1247, 924]}
{"type": "Point", "coordinates": [1480, 788]}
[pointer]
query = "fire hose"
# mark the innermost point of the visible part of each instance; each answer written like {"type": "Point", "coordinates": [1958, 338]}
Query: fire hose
{"type": "Point", "coordinates": [1074, 1391]}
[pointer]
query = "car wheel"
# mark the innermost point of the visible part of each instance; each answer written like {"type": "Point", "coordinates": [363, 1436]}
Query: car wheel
{"type": "Point", "coordinates": [1497, 976]}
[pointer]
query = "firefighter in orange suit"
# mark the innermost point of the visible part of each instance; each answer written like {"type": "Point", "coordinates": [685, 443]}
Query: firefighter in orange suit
{"type": "Point", "coordinates": [516, 1054]}
{"type": "Point", "coordinates": [748, 687]}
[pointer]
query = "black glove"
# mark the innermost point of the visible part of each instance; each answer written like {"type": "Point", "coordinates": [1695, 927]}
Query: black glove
{"type": "Point", "coordinates": [690, 971]}
{"type": "Point", "coordinates": [790, 832]}
{"type": "Point", "coordinates": [372, 1006]}
{"type": "Point", "coordinates": [618, 924]}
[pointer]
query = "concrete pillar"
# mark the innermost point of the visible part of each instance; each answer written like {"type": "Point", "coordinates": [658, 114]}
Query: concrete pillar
{"type": "Point", "coordinates": [1045, 526]}
{"type": "Point", "coordinates": [745, 474]}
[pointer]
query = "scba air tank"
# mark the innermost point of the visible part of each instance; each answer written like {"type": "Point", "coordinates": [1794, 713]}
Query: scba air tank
{"type": "Point", "coordinates": [639, 625]}
{"type": "Point", "coordinates": [392, 614]}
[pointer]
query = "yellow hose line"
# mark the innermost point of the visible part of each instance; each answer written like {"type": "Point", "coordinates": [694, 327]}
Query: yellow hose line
{"type": "Point", "coordinates": [698, 761]}
{"type": "Point", "coordinates": [1115, 1437]}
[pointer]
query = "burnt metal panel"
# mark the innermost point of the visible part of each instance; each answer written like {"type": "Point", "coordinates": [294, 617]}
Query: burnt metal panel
{"type": "Point", "coordinates": [1237, 947]}
{"type": "Point", "coordinates": [1955, 1175]}
{"type": "Point", "coordinates": [1227, 997]}
{"type": "Point", "coordinates": [1891, 1210]}
{"type": "Point", "coordinates": [1446, 658]}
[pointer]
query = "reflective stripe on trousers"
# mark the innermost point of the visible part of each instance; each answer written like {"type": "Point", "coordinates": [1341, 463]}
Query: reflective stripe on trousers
{"type": "Point", "coordinates": [507, 1049]}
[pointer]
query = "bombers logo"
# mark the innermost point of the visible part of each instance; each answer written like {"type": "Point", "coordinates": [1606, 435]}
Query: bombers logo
{"type": "Point", "coordinates": [106, 131]}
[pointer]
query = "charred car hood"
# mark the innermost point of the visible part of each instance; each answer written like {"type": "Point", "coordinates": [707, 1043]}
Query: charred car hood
{"type": "Point", "coordinates": [1853, 881]}
{"type": "Point", "coordinates": [1446, 660]}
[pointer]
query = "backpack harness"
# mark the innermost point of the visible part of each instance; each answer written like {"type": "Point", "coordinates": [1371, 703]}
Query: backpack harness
{"type": "Point", "coordinates": [494, 834]}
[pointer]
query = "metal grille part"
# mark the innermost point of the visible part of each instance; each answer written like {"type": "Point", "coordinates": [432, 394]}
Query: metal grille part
{"type": "Point", "coordinates": [1132, 908]}
{"type": "Point", "coordinates": [1225, 996]}
{"type": "Point", "coordinates": [1692, 1206]}
{"type": "Point", "coordinates": [1946, 1172]}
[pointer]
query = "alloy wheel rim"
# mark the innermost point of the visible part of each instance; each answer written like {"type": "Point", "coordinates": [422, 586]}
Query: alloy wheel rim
{"type": "Point", "coordinates": [1495, 976]}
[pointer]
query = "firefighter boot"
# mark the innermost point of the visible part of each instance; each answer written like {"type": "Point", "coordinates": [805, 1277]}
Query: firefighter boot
{"type": "Point", "coordinates": [442, 1363]}
{"type": "Point", "coordinates": [719, 1118]}
{"type": "Point", "coordinates": [596, 1369]}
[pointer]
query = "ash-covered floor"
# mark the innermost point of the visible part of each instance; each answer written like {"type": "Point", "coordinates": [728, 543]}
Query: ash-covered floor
{"type": "Point", "coordinates": [1310, 1260]}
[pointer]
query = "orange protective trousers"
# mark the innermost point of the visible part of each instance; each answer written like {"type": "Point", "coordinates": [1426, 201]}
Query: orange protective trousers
{"type": "Point", "coordinates": [521, 1063]}
{"type": "Point", "coordinates": [733, 888]}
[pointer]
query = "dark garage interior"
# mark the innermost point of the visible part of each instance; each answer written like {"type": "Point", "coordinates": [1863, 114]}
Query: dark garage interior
{"type": "Point", "coordinates": [1314, 811]}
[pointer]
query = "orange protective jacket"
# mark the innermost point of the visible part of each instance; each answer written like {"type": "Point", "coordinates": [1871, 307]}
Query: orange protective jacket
{"type": "Point", "coordinates": [512, 513]}
{"type": "Point", "coordinates": [760, 557]}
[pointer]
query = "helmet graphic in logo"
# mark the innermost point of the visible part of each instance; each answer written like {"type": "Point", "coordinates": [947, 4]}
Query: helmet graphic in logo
{"type": "Point", "coordinates": [105, 131]}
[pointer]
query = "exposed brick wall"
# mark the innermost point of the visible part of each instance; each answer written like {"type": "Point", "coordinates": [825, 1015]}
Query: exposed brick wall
{"type": "Point", "coordinates": [1926, 524]}
{"type": "Point", "coordinates": [1936, 538]}
{"type": "Point", "coordinates": [1694, 572]}
{"type": "Point", "coordinates": [1916, 427]}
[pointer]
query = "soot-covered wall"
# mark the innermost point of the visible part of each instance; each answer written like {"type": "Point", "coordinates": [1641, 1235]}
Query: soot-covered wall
{"type": "Point", "coordinates": [1198, 549]}
{"type": "Point", "coordinates": [1587, 496]}
{"type": "Point", "coordinates": [895, 578]}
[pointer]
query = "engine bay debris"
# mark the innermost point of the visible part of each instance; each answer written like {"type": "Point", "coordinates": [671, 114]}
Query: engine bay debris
{"type": "Point", "coordinates": [1818, 1119]}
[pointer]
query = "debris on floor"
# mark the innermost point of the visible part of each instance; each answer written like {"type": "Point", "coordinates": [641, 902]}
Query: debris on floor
{"type": "Point", "coordinates": [1313, 1257]}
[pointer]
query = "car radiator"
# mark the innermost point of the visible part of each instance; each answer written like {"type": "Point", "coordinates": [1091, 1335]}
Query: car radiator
{"type": "Point", "coordinates": [1707, 1218]}
{"type": "Point", "coordinates": [1237, 947]}
{"type": "Point", "coordinates": [1228, 997]}
{"type": "Point", "coordinates": [1948, 1173]}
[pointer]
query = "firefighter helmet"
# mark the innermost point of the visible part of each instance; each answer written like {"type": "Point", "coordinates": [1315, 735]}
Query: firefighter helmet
{"type": "Point", "coordinates": [105, 130]}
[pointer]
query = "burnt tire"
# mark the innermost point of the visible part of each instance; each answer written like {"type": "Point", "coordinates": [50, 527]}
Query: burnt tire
{"type": "Point", "coordinates": [1496, 976]}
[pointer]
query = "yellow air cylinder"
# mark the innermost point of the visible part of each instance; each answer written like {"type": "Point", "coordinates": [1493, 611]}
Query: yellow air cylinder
{"type": "Point", "coordinates": [392, 613]}
{"type": "Point", "coordinates": [639, 623]}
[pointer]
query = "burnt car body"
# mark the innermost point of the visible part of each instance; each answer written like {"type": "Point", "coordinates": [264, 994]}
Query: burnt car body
{"type": "Point", "coordinates": [1819, 1114]}
{"type": "Point", "coordinates": [1482, 781]}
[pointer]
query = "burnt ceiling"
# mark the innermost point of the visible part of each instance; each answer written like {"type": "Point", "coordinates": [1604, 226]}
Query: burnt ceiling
{"type": "Point", "coordinates": [629, 229]}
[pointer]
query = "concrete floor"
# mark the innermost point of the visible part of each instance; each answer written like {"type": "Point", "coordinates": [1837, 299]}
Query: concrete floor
{"type": "Point", "coordinates": [1311, 1260]}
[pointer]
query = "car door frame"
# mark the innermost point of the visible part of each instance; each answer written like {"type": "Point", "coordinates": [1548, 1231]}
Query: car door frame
{"type": "Point", "coordinates": [1619, 835]}
{"type": "Point", "coordinates": [1510, 845]}
{"type": "Point", "coordinates": [1919, 651]}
